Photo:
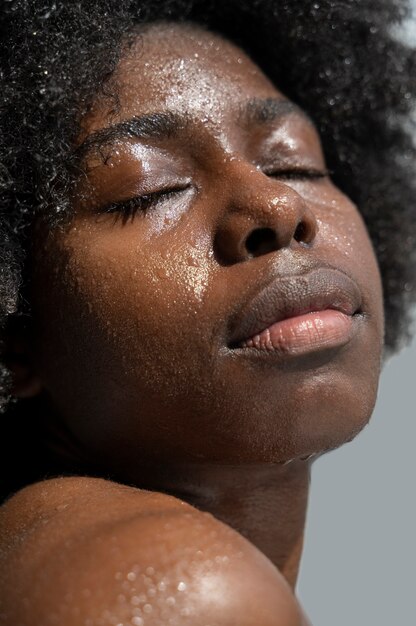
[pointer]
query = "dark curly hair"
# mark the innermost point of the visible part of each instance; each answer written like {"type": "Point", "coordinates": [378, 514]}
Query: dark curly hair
{"type": "Point", "coordinates": [338, 59]}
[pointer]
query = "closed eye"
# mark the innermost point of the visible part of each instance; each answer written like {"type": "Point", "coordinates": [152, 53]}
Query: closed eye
{"type": "Point", "coordinates": [128, 209]}
{"type": "Point", "coordinates": [298, 174]}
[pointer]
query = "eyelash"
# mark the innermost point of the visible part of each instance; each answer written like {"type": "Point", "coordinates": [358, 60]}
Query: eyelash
{"type": "Point", "coordinates": [299, 174]}
{"type": "Point", "coordinates": [128, 209]}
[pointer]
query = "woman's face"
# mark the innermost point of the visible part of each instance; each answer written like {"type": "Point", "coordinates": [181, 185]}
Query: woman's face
{"type": "Point", "coordinates": [141, 307]}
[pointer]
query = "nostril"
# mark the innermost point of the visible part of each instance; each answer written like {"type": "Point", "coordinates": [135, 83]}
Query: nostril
{"type": "Point", "coordinates": [301, 233]}
{"type": "Point", "coordinates": [261, 241]}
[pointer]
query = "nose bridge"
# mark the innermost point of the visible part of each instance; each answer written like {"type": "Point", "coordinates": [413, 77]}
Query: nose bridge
{"type": "Point", "coordinates": [264, 198]}
{"type": "Point", "coordinates": [263, 214]}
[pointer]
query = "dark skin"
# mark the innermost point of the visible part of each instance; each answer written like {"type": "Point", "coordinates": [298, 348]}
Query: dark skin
{"type": "Point", "coordinates": [132, 309]}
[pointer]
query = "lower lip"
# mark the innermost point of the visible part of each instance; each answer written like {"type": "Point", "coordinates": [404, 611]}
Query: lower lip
{"type": "Point", "coordinates": [304, 333]}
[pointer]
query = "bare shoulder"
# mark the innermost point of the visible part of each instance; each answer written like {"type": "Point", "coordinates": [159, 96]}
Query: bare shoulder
{"type": "Point", "coordinates": [90, 551]}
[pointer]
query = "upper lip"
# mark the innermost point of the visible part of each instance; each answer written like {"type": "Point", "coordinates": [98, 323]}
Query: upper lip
{"type": "Point", "coordinates": [285, 297]}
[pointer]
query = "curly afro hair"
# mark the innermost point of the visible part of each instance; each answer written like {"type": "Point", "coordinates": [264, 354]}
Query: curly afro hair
{"type": "Point", "coordinates": [338, 59]}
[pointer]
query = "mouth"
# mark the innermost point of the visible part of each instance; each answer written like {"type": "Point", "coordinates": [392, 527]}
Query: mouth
{"type": "Point", "coordinates": [298, 314]}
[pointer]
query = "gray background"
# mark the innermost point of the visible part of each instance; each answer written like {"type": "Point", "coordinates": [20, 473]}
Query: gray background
{"type": "Point", "coordinates": [359, 561]}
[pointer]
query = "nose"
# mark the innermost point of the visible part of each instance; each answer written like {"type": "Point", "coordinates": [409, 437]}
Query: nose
{"type": "Point", "coordinates": [263, 215]}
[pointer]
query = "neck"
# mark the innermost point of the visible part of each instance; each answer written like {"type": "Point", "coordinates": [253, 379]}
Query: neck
{"type": "Point", "coordinates": [265, 503]}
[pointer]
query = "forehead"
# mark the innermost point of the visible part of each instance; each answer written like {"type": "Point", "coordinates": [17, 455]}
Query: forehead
{"type": "Point", "coordinates": [184, 69]}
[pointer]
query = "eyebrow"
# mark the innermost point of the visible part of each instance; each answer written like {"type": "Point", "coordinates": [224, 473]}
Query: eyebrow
{"type": "Point", "coordinates": [149, 126]}
{"type": "Point", "coordinates": [163, 125]}
{"type": "Point", "coordinates": [265, 110]}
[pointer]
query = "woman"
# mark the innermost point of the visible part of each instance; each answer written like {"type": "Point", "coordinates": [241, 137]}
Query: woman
{"type": "Point", "coordinates": [193, 302]}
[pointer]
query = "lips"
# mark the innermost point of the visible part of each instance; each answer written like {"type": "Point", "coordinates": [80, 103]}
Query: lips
{"type": "Point", "coordinates": [289, 297]}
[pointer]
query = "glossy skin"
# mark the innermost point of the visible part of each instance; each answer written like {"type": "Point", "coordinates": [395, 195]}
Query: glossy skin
{"type": "Point", "coordinates": [131, 315]}
{"type": "Point", "coordinates": [87, 551]}
{"type": "Point", "coordinates": [135, 313]}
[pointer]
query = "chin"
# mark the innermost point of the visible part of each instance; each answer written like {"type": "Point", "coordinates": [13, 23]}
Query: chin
{"type": "Point", "coordinates": [297, 412]}
{"type": "Point", "coordinates": [331, 418]}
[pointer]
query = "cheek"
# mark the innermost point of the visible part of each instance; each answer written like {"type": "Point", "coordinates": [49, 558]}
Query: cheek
{"type": "Point", "coordinates": [123, 311]}
{"type": "Point", "coordinates": [344, 241]}
{"type": "Point", "coordinates": [342, 232]}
